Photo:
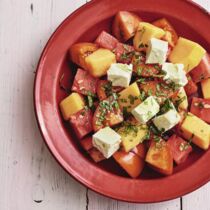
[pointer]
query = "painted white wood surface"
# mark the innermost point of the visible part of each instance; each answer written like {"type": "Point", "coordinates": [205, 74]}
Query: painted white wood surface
{"type": "Point", "coordinates": [30, 178]}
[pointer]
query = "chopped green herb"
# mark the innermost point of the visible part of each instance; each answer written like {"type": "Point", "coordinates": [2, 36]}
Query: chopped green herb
{"type": "Point", "coordinates": [166, 106]}
{"type": "Point", "coordinates": [179, 101]}
{"type": "Point", "coordinates": [128, 127]}
{"type": "Point", "coordinates": [154, 130]}
{"type": "Point", "coordinates": [132, 99]}
{"type": "Point", "coordinates": [83, 113]}
{"type": "Point", "coordinates": [158, 87]}
{"type": "Point", "coordinates": [123, 100]}
{"type": "Point", "coordinates": [147, 136]}
{"type": "Point", "coordinates": [156, 138]}
{"type": "Point", "coordinates": [139, 70]}
{"type": "Point", "coordinates": [108, 88]}
{"type": "Point", "coordinates": [174, 86]}
{"type": "Point", "coordinates": [156, 66]}
{"type": "Point", "coordinates": [149, 92]}
{"type": "Point", "coordinates": [141, 80]}
{"type": "Point", "coordinates": [142, 95]}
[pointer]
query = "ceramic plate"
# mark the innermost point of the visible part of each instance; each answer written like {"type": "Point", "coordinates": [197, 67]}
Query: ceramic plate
{"type": "Point", "coordinates": [85, 24]}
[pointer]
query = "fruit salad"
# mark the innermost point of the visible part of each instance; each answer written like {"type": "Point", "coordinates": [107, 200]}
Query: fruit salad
{"type": "Point", "coordinates": [135, 95]}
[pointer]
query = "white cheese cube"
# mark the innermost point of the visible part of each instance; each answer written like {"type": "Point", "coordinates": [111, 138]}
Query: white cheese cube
{"type": "Point", "coordinates": [167, 121]}
{"type": "Point", "coordinates": [157, 51]}
{"type": "Point", "coordinates": [120, 74]}
{"type": "Point", "coordinates": [107, 141]}
{"type": "Point", "coordinates": [146, 110]}
{"type": "Point", "coordinates": [175, 73]}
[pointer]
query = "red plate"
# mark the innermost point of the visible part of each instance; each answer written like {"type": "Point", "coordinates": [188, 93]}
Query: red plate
{"type": "Point", "coordinates": [85, 24]}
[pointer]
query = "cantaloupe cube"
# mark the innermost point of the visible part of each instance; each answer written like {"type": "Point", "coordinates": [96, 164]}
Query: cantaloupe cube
{"type": "Point", "coordinates": [132, 135]}
{"type": "Point", "coordinates": [205, 85]}
{"type": "Point", "coordinates": [187, 52]}
{"type": "Point", "coordinates": [160, 158]}
{"type": "Point", "coordinates": [196, 130]}
{"type": "Point", "coordinates": [145, 32]}
{"type": "Point", "coordinates": [130, 162]}
{"type": "Point", "coordinates": [79, 51]}
{"type": "Point", "coordinates": [129, 97]}
{"type": "Point", "coordinates": [99, 62]}
{"type": "Point", "coordinates": [71, 105]}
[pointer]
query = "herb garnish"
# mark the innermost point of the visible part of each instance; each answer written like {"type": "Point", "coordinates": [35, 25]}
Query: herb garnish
{"type": "Point", "coordinates": [128, 127]}
{"type": "Point", "coordinates": [142, 95]}
{"type": "Point", "coordinates": [106, 106]}
{"type": "Point", "coordinates": [179, 101]}
{"type": "Point", "coordinates": [166, 106]}
{"type": "Point", "coordinates": [132, 99]}
{"type": "Point", "coordinates": [174, 86]}
{"type": "Point", "coordinates": [141, 80]}
{"type": "Point", "coordinates": [108, 88]}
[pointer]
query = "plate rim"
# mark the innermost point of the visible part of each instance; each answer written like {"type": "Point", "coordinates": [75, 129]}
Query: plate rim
{"type": "Point", "coordinates": [39, 120]}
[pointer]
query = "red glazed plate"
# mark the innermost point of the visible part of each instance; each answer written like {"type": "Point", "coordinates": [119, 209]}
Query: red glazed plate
{"type": "Point", "coordinates": [85, 24]}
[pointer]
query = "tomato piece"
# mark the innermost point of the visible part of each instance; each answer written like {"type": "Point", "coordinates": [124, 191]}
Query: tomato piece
{"type": "Point", "coordinates": [106, 40]}
{"type": "Point", "coordinates": [171, 35]}
{"type": "Point", "coordinates": [160, 158]}
{"type": "Point", "coordinates": [202, 71]}
{"type": "Point", "coordinates": [96, 155]}
{"type": "Point", "coordinates": [125, 25]}
{"type": "Point", "coordinates": [142, 69]}
{"type": "Point", "coordinates": [105, 88]}
{"type": "Point", "coordinates": [190, 87]}
{"type": "Point", "coordinates": [130, 162]}
{"type": "Point", "coordinates": [201, 108]}
{"type": "Point", "coordinates": [86, 143]}
{"type": "Point", "coordinates": [180, 148]}
{"type": "Point", "coordinates": [140, 150]}
{"type": "Point", "coordinates": [81, 122]}
{"type": "Point", "coordinates": [78, 52]}
{"type": "Point", "coordinates": [157, 88]}
{"type": "Point", "coordinates": [107, 113]}
{"type": "Point", "coordinates": [124, 53]}
{"type": "Point", "coordinates": [84, 83]}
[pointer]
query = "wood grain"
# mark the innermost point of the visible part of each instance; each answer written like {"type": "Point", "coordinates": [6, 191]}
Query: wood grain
{"type": "Point", "coordinates": [30, 178]}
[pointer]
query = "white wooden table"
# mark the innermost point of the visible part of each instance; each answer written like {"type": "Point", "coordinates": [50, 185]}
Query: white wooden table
{"type": "Point", "coordinates": [30, 178]}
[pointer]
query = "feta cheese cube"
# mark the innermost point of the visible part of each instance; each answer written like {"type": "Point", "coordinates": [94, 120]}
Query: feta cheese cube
{"type": "Point", "coordinates": [167, 121]}
{"type": "Point", "coordinates": [157, 51]}
{"type": "Point", "coordinates": [107, 141]}
{"type": "Point", "coordinates": [175, 73]}
{"type": "Point", "coordinates": [120, 74]}
{"type": "Point", "coordinates": [146, 110]}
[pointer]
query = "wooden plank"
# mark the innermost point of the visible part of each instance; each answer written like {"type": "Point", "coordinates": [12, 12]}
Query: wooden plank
{"type": "Point", "coordinates": [198, 199]}
{"type": "Point", "coordinates": [29, 177]}
{"type": "Point", "coordinates": [100, 202]}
